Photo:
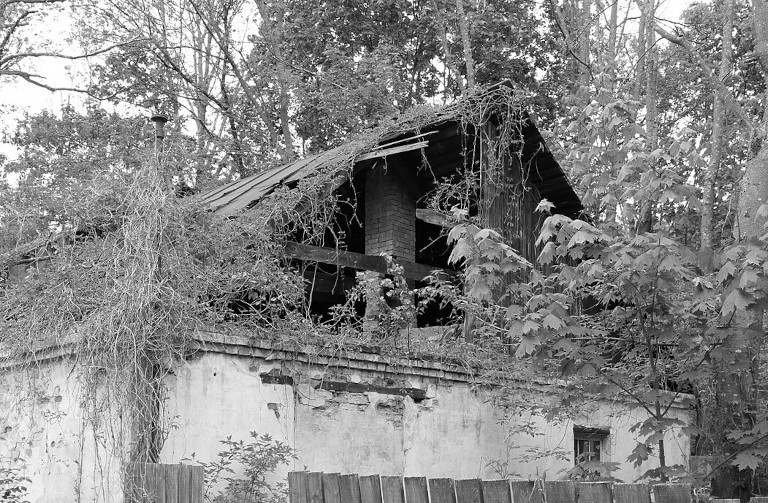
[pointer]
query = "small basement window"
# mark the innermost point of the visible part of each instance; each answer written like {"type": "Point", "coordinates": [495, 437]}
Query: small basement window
{"type": "Point", "coordinates": [589, 444]}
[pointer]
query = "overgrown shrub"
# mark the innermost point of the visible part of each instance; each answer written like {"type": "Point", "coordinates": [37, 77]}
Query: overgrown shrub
{"type": "Point", "coordinates": [246, 468]}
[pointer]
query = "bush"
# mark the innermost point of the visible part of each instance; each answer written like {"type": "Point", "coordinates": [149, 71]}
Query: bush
{"type": "Point", "coordinates": [256, 460]}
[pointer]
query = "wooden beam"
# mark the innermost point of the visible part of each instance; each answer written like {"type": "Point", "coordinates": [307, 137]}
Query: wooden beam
{"type": "Point", "coordinates": [434, 217]}
{"type": "Point", "coordinates": [393, 150]}
{"type": "Point", "coordinates": [375, 263]}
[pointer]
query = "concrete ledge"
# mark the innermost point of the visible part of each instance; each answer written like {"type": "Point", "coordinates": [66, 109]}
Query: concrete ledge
{"type": "Point", "coordinates": [308, 355]}
{"type": "Point", "coordinates": [210, 342]}
{"type": "Point", "coordinates": [329, 357]}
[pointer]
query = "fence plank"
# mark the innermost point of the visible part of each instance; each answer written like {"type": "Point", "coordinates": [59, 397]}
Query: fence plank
{"type": "Point", "coordinates": [561, 491]}
{"type": "Point", "coordinates": [331, 491]}
{"type": "Point", "coordinates": [631, 493]}
{"type": "Point", "coordinates": [526, 491]}
{"type": "Point", "coordinates": [196, 484]}
{"type": "Point", "coordinates": [138, 487]}
{"type": "Point", "coordinates": [392, 489]}
{"type": "Point", "coordinates": [496, 491]}
{"type": "Point", "coordinates": [158, 485]}
{"type": "Point", "coordinates": [594, 492]}
{"type": "Point", "coordinates": [442, 491]}
{"type": "Point", "coordinates": [314, 485]}
{"type": "Point", "coordinates": [297, 489]}
{"type": "Point", "coordinates": [469, 491]}
{"type": "Point", "coordinates": [416, 490]}
{"type": "Point", "coordinates": [349, 488]}
{"type": "Point", "coordinates": [672, 493]}
{"type": "Point", "coordinates": [759, 499]}
{"type": "Point", "coordinates": [370, 489]}
{"type": "Point", "coordinates": [171, 482]}
{"type": "Point", "coordinates": [183, 484]}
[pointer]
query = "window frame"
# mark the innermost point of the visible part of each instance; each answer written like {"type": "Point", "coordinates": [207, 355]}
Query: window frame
{"type": "Point", "coordinates": [593, 436]}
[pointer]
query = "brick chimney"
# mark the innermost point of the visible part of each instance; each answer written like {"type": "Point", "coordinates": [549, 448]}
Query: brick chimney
{"type": "Point", "coordinates": [390, 215]}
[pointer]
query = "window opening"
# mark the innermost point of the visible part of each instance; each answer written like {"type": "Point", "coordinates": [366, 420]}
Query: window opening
{"type": "Point", "coordinates": [589, 444]}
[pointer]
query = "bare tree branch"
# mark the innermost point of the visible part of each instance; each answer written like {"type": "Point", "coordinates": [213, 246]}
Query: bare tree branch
{"type": "Point", "coordinates": [559, 22]}
{"type": "Point", "coordinates": [12, 29]}
{"type": "Point", "coordinates": [6, 3]}
{"type": "Point", "coordinates": [216, 34]}
{"type": "Point", "coordinates": [31, 54]}
{"type": "Point", "coordinates": [33, 79]}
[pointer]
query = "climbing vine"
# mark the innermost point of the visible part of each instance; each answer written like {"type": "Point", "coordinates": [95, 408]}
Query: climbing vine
{"type": "Point", "coordinates": [123, 287]}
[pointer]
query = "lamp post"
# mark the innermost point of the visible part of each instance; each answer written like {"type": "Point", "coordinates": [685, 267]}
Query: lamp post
{"type": "Point", "coordinates": [159, 120]}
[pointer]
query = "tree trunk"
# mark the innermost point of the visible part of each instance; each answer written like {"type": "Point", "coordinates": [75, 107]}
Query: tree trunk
{"type": "Point", "coordinates": [641, 45]}
{"type": "Point", "coordinates": [273, 33]}
{"type": "Point", "coordinates": [613, 30]}
{"type": "Point", "coordinates": [283, 83]}
{"type": "Point", "coordinates": [735, 391]}
{"type": "Point", "coordinates": [645, 220]}
{"type": "Point", "coordinates": [467, 44]}
{"type": "Point", "coordinates": [449, 58]}
{"type": "Point", "coordinates": [718, 126]}
{"type": "Point", "coordinates": [651, 115]}
{"type": "Point", "coordinates": [753, 190]}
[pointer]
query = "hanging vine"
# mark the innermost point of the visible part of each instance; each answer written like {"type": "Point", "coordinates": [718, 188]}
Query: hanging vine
{"type": "Point", "coordinates": [125, 286]}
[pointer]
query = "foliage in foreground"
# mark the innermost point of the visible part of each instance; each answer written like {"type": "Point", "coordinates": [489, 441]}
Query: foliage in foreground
{"type": "Point", "coordinates": [248, 470]}
{"type": "Point", "coordinates": [12, 484]}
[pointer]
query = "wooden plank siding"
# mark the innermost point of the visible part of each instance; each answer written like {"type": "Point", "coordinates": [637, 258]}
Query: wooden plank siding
{"type": "Point", "coordinates": [394, 489]}
{"type": "Point", "coordinates": [509, 202]}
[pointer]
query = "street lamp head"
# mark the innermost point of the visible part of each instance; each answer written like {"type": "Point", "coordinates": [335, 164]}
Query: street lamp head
{"type": "Point", "coordinates": [159, 120]}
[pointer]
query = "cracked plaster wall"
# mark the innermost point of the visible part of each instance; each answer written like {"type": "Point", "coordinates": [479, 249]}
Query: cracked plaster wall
{"type": "Point", "coordinates": [356, 414]}
{"type": "Point", "coordinates": [349, 417]}
{"type": "Point", "coordinates": [44, 428]}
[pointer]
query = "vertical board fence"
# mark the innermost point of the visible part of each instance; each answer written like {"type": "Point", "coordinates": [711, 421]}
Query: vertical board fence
{"type": "Point", "coordinates": [317, 487]}
{"type": "Point", "coordinates": [159, 483]}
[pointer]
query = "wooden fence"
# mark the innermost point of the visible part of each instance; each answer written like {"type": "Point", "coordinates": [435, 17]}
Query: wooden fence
{"type": "Point", "coordinates": [158, 483]}
{"type": "Point", "coordinates": [316, 487]}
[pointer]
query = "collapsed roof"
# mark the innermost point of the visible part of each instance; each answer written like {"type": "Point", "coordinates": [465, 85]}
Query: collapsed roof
{"type": "Point", "coordinates": [432, 133]}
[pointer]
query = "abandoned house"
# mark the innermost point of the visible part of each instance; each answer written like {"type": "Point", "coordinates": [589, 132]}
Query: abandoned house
{"type": "Point", "coordinates": [357, 411]}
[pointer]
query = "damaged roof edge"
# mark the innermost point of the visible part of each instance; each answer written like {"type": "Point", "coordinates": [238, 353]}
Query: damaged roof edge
{"type": "Point", "coordinates": [546, 174]}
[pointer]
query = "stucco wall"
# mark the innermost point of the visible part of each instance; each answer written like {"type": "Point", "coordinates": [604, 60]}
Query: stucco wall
{"type": "Point", "coordinates": [44, 428]}
{"type": "Point", "coordinates": [357, 413]}
{"type": "Point", "coordinates": [362, 413]}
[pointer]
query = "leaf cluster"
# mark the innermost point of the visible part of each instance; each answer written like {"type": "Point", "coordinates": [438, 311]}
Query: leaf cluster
{"type": "Point", "coordinates": [247, 469]}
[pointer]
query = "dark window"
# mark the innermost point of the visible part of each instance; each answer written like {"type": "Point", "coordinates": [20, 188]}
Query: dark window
{"type": "Point", "coordinates": [588, 443]}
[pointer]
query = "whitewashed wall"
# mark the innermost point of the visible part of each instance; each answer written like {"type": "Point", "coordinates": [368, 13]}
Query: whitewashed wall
{"type": "Point", "coordinates": [348, 412]}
